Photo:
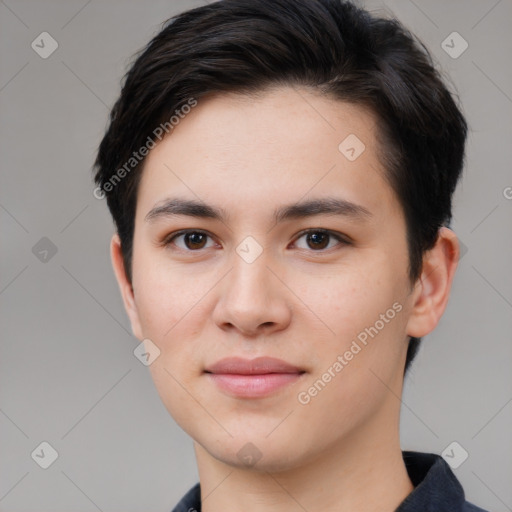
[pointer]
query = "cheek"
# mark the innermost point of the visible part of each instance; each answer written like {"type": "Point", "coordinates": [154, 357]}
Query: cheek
{"type": "Point", "coordinates": [361, 316]}
{"type": "Point", "coordinates": [174, 307]}
{"type": "Point", "coordinates": [355, 368]}
{"type": "Point", "coordinates": [165, 295]}
{"type": "Point", "coordinates": [348, 300]}
{"type": "Point", "coordinates": [170, 312]}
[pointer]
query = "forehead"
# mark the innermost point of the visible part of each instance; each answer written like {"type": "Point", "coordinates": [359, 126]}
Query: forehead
{"type": "Point", "coordinates": [254, 151]}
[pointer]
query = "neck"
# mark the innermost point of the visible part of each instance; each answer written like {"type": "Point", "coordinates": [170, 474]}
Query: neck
{"type": "Point", "coordinates": [364, 473]}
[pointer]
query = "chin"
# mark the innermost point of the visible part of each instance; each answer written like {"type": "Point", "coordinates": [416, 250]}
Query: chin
{"type": "Point", "coordinates": [259, 453]}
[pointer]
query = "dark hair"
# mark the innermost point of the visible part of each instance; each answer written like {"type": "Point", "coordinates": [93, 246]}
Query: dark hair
{"type": "Point", "coordinates": [331, 46]}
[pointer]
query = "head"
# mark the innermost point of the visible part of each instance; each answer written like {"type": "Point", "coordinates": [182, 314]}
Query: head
{"type": "Point", "coordinates": [246, 107]}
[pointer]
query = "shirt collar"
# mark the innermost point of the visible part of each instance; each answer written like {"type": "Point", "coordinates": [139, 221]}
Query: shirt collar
{"type": "Point", "coordinates": [436, 489]}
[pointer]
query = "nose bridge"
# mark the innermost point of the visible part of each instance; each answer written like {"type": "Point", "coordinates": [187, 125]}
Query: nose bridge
{"type": "Point", "coordinates": [250, 280]}
{"type": "Point", "coordinates": [251, 296]}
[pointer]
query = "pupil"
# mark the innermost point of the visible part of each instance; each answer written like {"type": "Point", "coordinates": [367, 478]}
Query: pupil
{"type": "Point", "coordinates": [317, 239]}
{"type": "Point", "coordinates": [194, 239]}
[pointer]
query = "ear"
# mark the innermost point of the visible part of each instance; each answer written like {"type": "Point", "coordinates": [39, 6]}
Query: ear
{"type": "Point", "coordinates": [125, 286]}
{"type": "Point", "coordinates": [432, 289]}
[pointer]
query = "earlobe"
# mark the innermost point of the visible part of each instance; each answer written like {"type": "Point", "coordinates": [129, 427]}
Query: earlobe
{"type": "Point", "coordinates": [432, 289]}
{"type": "Point", "coordinates": [125, 286]}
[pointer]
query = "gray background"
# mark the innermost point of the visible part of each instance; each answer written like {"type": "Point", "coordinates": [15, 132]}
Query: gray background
{"type": "Point", "coordinates": [68, 374]}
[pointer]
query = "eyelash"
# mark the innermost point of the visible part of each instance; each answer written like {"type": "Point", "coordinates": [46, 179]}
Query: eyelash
{"type": "Point", "coordinates": [343, 240]}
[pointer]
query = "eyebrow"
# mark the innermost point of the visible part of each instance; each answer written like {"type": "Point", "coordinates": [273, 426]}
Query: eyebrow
{"type": "Point", "coordinates": [328, 205]}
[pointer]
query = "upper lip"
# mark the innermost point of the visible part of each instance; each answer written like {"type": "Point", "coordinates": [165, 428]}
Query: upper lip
{"type": "Point", "coordinates": [258, 366]}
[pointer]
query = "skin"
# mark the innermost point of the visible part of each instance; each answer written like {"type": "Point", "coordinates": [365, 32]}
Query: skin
{"type": "Point", "coordinates": [341, 451]}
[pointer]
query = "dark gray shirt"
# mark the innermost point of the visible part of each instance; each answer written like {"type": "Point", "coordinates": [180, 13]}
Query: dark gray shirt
{"type": "Point", "coordinates": [436, 489]}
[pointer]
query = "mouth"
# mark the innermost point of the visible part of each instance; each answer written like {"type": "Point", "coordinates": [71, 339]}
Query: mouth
{"type": "Point", "coordinates": [252, 378]}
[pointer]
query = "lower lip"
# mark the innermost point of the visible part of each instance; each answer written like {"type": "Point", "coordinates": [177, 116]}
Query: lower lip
{"type": "Point", "coordinates": [253, 386]}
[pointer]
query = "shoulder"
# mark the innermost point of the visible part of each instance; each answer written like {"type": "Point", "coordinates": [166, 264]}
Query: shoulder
{"type": "Point", "coordinates": [191, 502]}
{"type": "Point", "coordinates": [436, 488]}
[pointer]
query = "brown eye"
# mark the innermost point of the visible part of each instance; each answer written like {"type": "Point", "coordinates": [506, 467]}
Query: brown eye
{"type": "Point", "coordinates": [317, 240]}
{"type": "Point", "coordinates": [195, 240]}
{"type": "Point", "coordinates": [188, 240]}
{"type": "Point", "coordinates": [320, 239]}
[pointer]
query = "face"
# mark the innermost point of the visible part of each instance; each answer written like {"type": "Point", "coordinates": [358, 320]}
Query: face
{"type": "Point", "coordinates": [322, 286]}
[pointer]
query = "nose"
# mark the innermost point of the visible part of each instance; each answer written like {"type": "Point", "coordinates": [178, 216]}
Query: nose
{"type": "Point", "coordinates": [252, 300]}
